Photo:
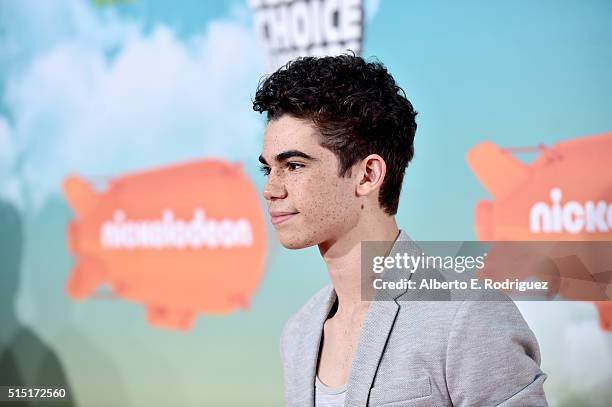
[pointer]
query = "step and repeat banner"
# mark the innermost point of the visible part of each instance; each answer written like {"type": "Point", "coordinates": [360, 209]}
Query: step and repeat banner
{"type": "Point", "coordinates": [137, 262]}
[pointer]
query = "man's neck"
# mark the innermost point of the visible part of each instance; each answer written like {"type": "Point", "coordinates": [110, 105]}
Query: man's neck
{"type": "Point", "coordinates": [343, 260]}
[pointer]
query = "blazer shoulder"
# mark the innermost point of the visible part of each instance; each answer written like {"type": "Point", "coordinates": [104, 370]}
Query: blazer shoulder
{"type": "Point", "coordinates": [302, 317]}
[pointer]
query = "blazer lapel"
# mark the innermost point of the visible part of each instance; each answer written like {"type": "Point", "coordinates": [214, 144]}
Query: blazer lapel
{"type": "Point", "coordinates": [311, 340]}
{"type": "Point", "coordinates": [375, 332]}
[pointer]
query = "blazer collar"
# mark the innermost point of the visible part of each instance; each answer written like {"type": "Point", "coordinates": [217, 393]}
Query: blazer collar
{"type": "Point", "coordinates": [375, 331]}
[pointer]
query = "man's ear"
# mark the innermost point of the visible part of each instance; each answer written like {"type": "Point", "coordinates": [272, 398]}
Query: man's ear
{"type": "Point", "coordinates": [372, 170]}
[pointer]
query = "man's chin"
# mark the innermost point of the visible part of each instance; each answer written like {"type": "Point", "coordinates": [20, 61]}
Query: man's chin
{"type": "Point", "coordinates": [292, 242]}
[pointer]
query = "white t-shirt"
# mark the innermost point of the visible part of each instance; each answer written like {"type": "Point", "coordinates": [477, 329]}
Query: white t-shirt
{"type": "Point", "coordinates": [326, 396]}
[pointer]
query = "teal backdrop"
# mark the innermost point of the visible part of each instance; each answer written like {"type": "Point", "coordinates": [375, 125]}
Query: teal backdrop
{"type": "Point", "coordinates": [103, 88]}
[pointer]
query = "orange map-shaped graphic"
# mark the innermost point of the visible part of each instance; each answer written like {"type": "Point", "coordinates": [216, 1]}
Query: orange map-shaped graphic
{"type": "Point", "coordinates": [182, 240]}
{"type": "Point", "coordinates": [565, 194]}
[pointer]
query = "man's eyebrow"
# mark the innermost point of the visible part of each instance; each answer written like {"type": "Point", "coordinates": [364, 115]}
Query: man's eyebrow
{"type": "Point", "coordinates": [285, 155]}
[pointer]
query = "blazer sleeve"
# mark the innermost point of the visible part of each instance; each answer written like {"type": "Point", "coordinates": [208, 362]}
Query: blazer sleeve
{"type": "Point", "coordinates": [286, 343]}
{"type": "Point", "coordinates": [493, 358]}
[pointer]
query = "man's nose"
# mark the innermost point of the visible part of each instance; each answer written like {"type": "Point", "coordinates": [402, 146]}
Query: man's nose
{"type": "Point", "coordinates": [273, 189]}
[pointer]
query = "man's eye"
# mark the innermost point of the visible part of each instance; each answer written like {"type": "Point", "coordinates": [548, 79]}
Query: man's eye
{"type": "Point", "coordinates": [294, 166]}
{"type": "Point", "coordinates": [264, 169]}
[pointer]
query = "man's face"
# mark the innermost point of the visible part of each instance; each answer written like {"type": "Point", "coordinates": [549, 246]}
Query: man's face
{"type": "Point", "coordinates": [307, 200]}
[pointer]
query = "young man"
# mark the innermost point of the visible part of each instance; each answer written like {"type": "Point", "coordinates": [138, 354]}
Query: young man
{"type": "Point", "coordinates": [339, 138]}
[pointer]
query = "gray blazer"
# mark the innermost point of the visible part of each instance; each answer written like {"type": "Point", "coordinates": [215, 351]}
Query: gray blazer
{"type": "Point", "coordinates": [421, 353]}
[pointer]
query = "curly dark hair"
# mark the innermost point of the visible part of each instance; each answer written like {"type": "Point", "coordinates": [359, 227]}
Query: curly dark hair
{"type": "Point", "coordinates": [357, 107]}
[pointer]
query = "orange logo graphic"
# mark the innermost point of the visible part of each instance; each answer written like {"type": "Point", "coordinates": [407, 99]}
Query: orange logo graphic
{"type": "Point", "coordinates": [182, 240]}
{"type": "Point", "coordinates": [565, 194]}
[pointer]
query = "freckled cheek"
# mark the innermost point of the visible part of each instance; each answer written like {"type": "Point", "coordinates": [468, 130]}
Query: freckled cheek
{"type": "Point", "coordinates": [312, 197]}
{"type": "Point", "coordinates": [344, 193]}
{"type": "Point", "coordinates": [299, 193]}
{"type": "Point", "coordinates": [345, 202]}
{"type": "Point", "coordinates": [326, 204]}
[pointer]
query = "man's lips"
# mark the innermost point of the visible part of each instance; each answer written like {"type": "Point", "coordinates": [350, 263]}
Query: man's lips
{"type": "Point", "coordinates": [278, 217]}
